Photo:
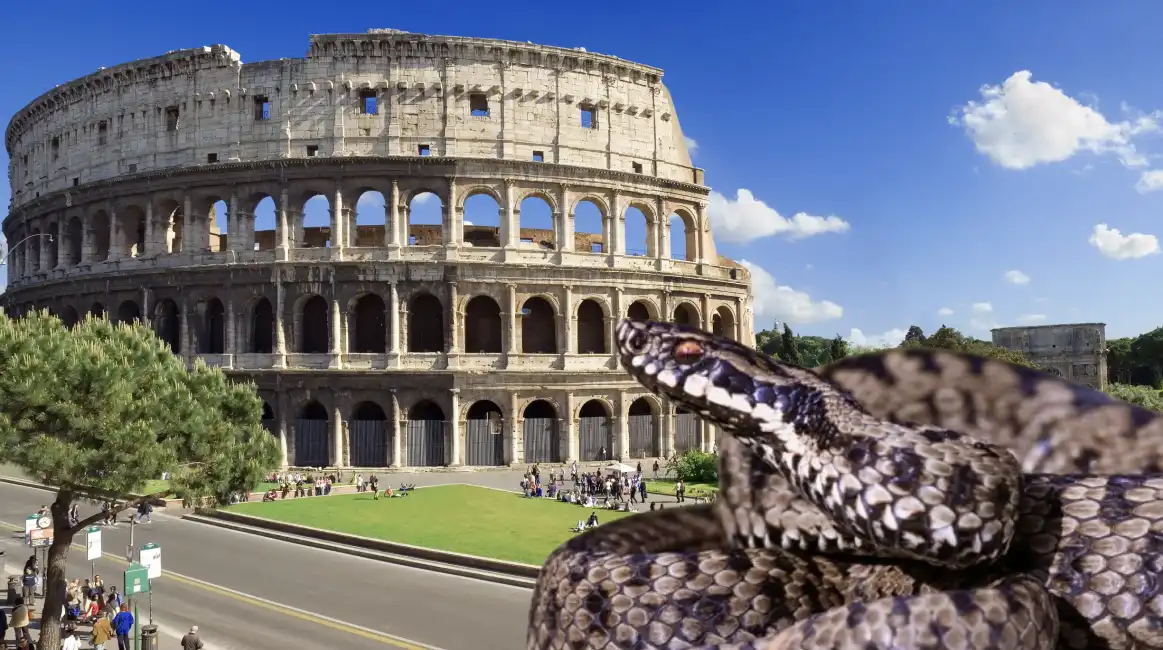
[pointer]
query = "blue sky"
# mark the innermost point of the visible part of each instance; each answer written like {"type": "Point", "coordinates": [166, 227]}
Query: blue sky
{"type": "Point", "coordinates": [875, 164]}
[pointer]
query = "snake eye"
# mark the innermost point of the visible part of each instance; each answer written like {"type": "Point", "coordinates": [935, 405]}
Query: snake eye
{"type": "Point", "coordinates": [688, 352]}
{"type": "Point", "coordinates": [638, 342]}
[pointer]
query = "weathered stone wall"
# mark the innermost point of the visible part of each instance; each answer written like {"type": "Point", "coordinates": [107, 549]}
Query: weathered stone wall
{"type": "Point", "coordinates": [1075, 351]}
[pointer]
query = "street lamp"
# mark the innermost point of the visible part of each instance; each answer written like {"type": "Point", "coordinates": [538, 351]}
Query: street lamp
{"type": "Point", "coordinates": [4, 257]}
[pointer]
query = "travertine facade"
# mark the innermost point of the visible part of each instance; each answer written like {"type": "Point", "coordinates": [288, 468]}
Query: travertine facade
{"type": "Point", "coordinates": [391, 344]}
{"type": "Point", "coordinates": [1076, 351]}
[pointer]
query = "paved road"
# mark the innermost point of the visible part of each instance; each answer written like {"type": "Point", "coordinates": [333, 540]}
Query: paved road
{"type": "Point", "coordinates": [253, 593]}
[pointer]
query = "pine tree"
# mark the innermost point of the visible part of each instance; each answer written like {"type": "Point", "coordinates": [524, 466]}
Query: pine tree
{"type": "Point", "coordinates": [839, 348]}
{"type": "Point", "coordinates": [97, 410]}
{"type": "Point", "coordinates": [788, 350]}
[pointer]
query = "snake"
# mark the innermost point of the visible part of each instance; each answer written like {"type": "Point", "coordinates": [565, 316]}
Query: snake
{"type": "Point", "coordinates": [906, 499]}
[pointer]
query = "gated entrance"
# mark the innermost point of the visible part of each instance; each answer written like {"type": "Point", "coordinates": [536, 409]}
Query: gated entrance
{"type": "Point", "coordinates": [426, 427]}
{"type": "Point", "coordinates": [484, 435]}
{"type": "Point", "coordinates": [268, 419]}
{"type": "Point", "coordinates": [311, 448]}
{"type": "Point", "coordinates": [686, 430]}
{"type": "Point", "coordinates": [596, 436]}
{"type": "Point", "coordinates": [643, 437]}
{"type": "Point", "coordinates": [541, 436]}
{"type": "Point", "coordinates": [369, 438]}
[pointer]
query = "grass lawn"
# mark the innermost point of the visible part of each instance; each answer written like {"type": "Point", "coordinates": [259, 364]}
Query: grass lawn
{"type": "Point", "coordinates": [458, 518]}
{"type": "Point", "coordinates": [666, 486]}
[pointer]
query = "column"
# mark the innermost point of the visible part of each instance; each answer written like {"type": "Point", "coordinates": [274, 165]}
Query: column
{"type": "Point", "coordinates": [151, 246]}
{"type": "Point", "coordinates": [147, 306]}
{"type": "Point", "coordinates": [231, 328]}
{"type": "Point", "coordinates": [394, 228]}
{"type": "Point", "coordinates": [454, 428]}
{"type": "Point", "coordinates": [397, 431]}
{"type": "Point", "coordinates": [667, 314]}
{"type": "Point", "coordinates": [563, 228]}
{"type": "Point", "coordinates": [568, 426]}
{"type": "Point", "coordinates": [570, 343]}
{"type": "Point", "coordinates": [700, 230]}
{"type": "Point", "coordinates": [452, 337]}
{"type": "Point", "coordinates": [337, 435]}
{"type": "Point", "coordinates": [281, 415]}
{"type": "Point", "coordinates": [511, 323]}
{"type": "Point", "coordinates": [621, 427]}
{"type": "Point", "coordinates": [667, 416]}
{"type": "Point", "coordinates": [739, 321]}
{"type": "Point", "coordinates": [619, 314]}
{"type": "Point", "coordinates": [280, 322]}
{"type": "Point", "coordinates": [510, 228]}
{"type": "Point", "coordinates": [86, 239]}
{"type": "Point", "coordinates": [336, 334]}
{"type": "Point", "coordinates": [44, 244]}
{"type": "Point", "coordinates": [618, 226]}
{"type": "Point", "coordinates": [516, 439]}
{"type": "Point", "coordinates": [337, 221]}
{"type": "Point", "coordinates": [282, 227]}
{"type": "Point", "coordinates": [189, 221]}
{"type": "Point", "coordinates": [116, 235]}
{"type": "Point", "coordinates": [708, 317]}
{"type": "Point", "coordinates": [450, 233]}
{"type": "Point", "coordinates": [660, 228]}
{"type": "Point", "coordinates": [236, 227]}
{"type": "Point", "coordinates": [394, 325]}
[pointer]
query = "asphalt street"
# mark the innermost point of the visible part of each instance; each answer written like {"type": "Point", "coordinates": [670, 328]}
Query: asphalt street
{"type": "Point", "coordinates": [249, 592]}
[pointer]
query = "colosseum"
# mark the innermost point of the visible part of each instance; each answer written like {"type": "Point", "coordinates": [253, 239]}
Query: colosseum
{"type": "Point", "coordinates": [139, 193]}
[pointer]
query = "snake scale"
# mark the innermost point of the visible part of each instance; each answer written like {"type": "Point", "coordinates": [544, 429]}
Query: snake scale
{"type": "Point", "coordinates": [900, 500]}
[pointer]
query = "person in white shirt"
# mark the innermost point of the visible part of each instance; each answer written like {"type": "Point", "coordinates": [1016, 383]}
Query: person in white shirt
{"type": "Point", "coordinates": [70, 640]}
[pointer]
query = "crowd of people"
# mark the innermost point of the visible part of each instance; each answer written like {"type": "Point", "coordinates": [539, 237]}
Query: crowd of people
{"type": "Point", "coordinates": [617, 488]}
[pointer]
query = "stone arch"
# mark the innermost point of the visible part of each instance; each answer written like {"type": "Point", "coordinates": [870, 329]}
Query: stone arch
{"type": "Point", "coordinates": [686, 313]}
{"type": "Point", "coordinates": [312, 217]}
{"type": "Point", "coordinates": [315, 325]}
{"type": "Point", "coordinates": [538, 227]}
{"type": "Point", "coordinates": [371, 214]}
{"type": "Point", "coordinates": [169, 216]}
{"type": "Point", "coordinates": [483, 327]}
{"type": "Point", "coordinates": [369, 325]}
{"type": "Point", "coordinates": [262, 327]}
{"type": "Point", "coordinates": [208, 207]}
{"type": "Point", "coordinates": [128, 312]}
{"type": "Point", "coordinates": [429, 203]}
{"type": "Point", "coordinates": [484, 435]}
{"type": "Point", "coordinates": [312, 439]}
{"type": "Point", "coordinates": [541, 432]}
{"type": "Point", "coordinates": [259, 218]}
{"type": "Point", "coordinates": [97, 310]}
{"type": "Point", "coordinates": [642, 309]}
{"type": "Point", "coordinates": [595, 433]}
{"type": "Point", "coordinates": [723, 322]}
{"type": "Point", "coordinates": [544, 195]}
{"type": "Point", "coordinates": [425, 323]}
{"type": "Point", "coordinates": [427, 434]}
{"type": "Point", "coordinates": [75, 241]}
{"type": "Point", "coordinates": [369, 439]}
{"type": "Point", "coordinates": [686, 233]}
{"type": "Point", "coordinates": [132, 223]}
{"type": "Point", "coordinates": [591, 227]}
{"type": "Point", "coordinates": [592, 328]}
{"type": "Point", "coordinates": [69, 316]}
{"type": "Point", "coordinates": [638, 231]}
{"type": "Point", "coordinates": [212, 338]}
{"type": "Point", "coordinates": [480, 208]}
{"type": "Point", "coordinates": [99, 231]}
{"type": "Point", "coordinates": [597, 200]}
{"type": "Point", "coordinates": [541, 407]}
{"type": "Point", "coordinates": [644, 423]}
{"type": "Point", "coordinates": [538, 326]}
{"type": "Point", "coordinates": [167, 324]}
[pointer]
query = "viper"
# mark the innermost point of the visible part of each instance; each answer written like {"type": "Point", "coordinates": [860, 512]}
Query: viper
{"type": "Point", "coordinates": [906, 499]}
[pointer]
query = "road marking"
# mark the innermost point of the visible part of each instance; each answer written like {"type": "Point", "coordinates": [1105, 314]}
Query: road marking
{"type": "Point", "coordinates": [270, 605]}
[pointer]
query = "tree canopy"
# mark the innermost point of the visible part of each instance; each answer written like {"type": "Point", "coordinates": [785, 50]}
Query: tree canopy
{"type": "Point", "coordinates": [99, 409]}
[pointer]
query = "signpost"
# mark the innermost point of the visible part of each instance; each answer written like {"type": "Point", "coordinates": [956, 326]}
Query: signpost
{"type": "Point", "coordinates": [150, 555]}
{"type": "Point", "coordinates": [136, 582]}
{"type": "Point", "coordinates": [93, 546]}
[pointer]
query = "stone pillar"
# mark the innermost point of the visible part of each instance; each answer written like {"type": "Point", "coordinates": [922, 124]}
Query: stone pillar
{"type": "Point", "coordinates": [655, 233]}
{"type": "Point", "coordinates": [337, 219]}
{"type": "Point", "coordinates": [397, 431]}
{"type": "Point", "coordinates": [184, 325]}
{"type": "Point", "coordinates": [516, 437]}
{"type": "Point", "coordinates": [231, 329]}
{"type": "Point", "coordinates": [336, 335]}
{"type": "Point", "coordinates": [281, 415]}
{"type": "Point", "coordinates": [563, 227]}
{"type": "Point", "coordinates": [619, 314]}
{"type": "Point", "coordinates": [87, 238]}
{"type": "Point", "coordinates": [700, 229]}
{"type": "Point", "coordinates": [618, 226]}
{"type": "Point", "coordinates": [510, 229]}
{"type": "Point", "coordinates": [237, 227]}
{"type": "Point", "coordinates": [280, 322]}
{"type": "Point", "coordinates": [511, 345]}
{"type": "Point", "coordinates": [570, 343]}
{"type": "Point", "coordinates": [667, 417]}
{"type": "Point", "coordinates": [189, 225]}
{"type": "Point", "coordinates": [282, 226]}
{"type": "Point", "coordinates": [449, 232]}
{"type": "Point", "coordinates": [568, 426]}
{"type": "Point", "coordinates": [622, 426]}
{"type": "Point", "coordinates": [452, 337]}
{"type": "Point", "coordinates": [739, 336]}
{"type": "Point", "coordinates": [337, 435]}
{"type": "Point", "coordinates": [151, 246]}
{"type": "Point", "coordinates": [708, 317]}
{"type": "Point", "coordinates": [45, 243]}
{"type": "Point", "coordinates": [667, 314]}
{"type": "Point", "coordinates": [394, 323]}
{"type": "Point", "coordinates": [455, 459]}
{"type": "Point", "coordinates": [147, 307]}
{"type": "Point", "coordinates": [395, 228]}
{"type": "Point", "coordinates": [117, 246]}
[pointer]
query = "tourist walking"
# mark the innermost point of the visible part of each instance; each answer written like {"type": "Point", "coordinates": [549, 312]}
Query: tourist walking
{"type": "Point", "coordinates": [191, 640]}
{"type": "Point", "coordinates": [122, 626]}
{"type": "Point", "coordinates": [19, 622]}
{"type": "Point", "coordinates": [102, 633]}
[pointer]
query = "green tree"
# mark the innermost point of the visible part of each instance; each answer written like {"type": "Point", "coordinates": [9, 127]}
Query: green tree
{"type": "Point", "coordinates": [838, 349]}
{"type": "Point", "coordinates": [1144, 396]}
{"type": "Point", "coordinates": [97, 410]}
{"type": "Point", "coordinates": [788, 350]}
{"type": "Point", "coordinates": [1120, 363]}
{"type": "Point", "coordinates": [915, 334]}
{"type": "Point", "coordinates": [947, 338]}
{"type": "Point", "coordinates": [768, 341]}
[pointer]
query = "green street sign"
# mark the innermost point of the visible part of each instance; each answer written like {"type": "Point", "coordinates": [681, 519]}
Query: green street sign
{"type": "Point", "coordinates": [93, 529]}
{"type": "Point", "coordinates": [136, 579]}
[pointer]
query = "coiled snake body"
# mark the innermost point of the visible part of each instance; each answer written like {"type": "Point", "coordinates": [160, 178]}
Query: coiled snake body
{"type": "Point", "coordinates": [876, 503]}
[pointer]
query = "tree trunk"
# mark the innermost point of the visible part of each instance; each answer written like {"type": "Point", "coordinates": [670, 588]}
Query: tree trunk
{"type": "Point", "coordinates": [56, 583]}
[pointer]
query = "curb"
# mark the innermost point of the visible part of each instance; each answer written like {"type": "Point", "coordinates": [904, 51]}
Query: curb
{"type": "Point", "coordinates": [515, 574]}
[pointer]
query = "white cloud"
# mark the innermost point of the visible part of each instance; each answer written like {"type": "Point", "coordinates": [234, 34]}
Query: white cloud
{"type": "Point", "coordinates": [1023, 123]}
{"type": "Point", "coordinates": [1150, 181]}
{"type": "Point", "coordinates": [1030, 319]}
{"type": "Point", "coordinates": [1117, 246]}
{"type": "Point", "coordinates": [692, 145]}
{"type": "Point", "coordinates": [773, 301]}
{"type": "Point", "coordinates": [982, 308]}
{"type": "Point", "coordinates": [983, 324]}
{"type": "Point", "coordinates": [467, 222]}
{"type": "Point", "coordinates": [944, 311]}
{"type": "Point", "coordinates": [1015, 276]}
{"type": "Point", "coordinates": [891, 338]}
{"type": "Point", "coordinates": [746, 218]}
{"type": "Point", "coordinates": [423, 198]}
